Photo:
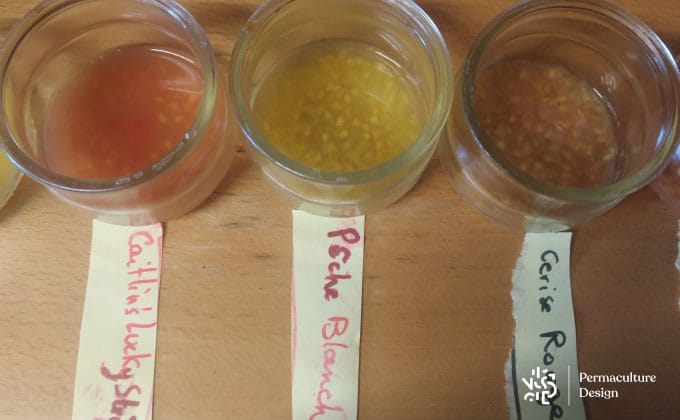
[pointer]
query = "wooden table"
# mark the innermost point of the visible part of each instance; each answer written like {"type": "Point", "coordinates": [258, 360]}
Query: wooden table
{"type": "Point", "coordinates": [437, 322]}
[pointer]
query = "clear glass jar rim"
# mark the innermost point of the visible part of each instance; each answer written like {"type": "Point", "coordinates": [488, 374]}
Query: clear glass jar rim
{"type": "Point", "coordinates": [44, 175]}
{"type": "Point", "coordinates": [428, 136]}
{"type": "Point", "coordinates": [609, 192]}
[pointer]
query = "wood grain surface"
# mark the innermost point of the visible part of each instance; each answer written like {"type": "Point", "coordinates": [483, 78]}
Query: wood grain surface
{"type": "Point", "coordinates": [437, 322]}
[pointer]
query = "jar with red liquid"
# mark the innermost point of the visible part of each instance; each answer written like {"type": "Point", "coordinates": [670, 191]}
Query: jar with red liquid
{"type": "Point", "coordinates": [561, 110]}
{"type": "Point", "coordinates": [117, 107]}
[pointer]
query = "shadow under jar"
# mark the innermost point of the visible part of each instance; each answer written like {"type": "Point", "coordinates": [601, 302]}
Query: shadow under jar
{"type": "Point", "coordinates": [562, 109]}
{"type": "Point", "coordinates": [116, 107]}
{"type": "Point", "coordinates": [9, 179]}
{"type": "Point", "coordinates": [341, 101]}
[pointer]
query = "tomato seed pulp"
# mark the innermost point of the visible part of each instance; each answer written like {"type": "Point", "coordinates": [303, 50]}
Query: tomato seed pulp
{"type": "Point", "coordinates": [548, 123]}
{"type": "Point", "coordinates": [338, 105]}
{"type": "Point", "coordinates": [125, 110]}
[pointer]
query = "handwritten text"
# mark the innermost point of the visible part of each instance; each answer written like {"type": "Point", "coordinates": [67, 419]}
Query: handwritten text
{"type": "Point", "coordinates": [140, 308]}
{"type": "Point", "coordinates": [349, 236]}
{"type": "Point", "coordinates": [331, 332]}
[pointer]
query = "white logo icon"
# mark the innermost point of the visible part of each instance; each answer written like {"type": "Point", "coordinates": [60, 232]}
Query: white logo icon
{"type": "Point", "coordinates": [542, 386]}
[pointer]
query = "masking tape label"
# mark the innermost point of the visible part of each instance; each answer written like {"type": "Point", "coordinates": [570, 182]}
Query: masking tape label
{"type": "Point", "coordinates": [542, 372]}
{"type": "Point", "coordinates": [116, 357]}
{"type": "Point", "coordinates": [328, 258]}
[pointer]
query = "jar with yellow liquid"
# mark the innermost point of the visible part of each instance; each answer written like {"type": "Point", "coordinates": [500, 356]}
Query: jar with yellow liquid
{"type": "Point", "coordinates": [341, 101]}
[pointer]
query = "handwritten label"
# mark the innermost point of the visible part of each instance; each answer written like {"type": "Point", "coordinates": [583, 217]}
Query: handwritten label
{"type": "Point", "coordinates": [116, 357]}
{"type": "Point", "coordinates": [328, 256]}
{"type": "Point", "coordinates": [543, 370]}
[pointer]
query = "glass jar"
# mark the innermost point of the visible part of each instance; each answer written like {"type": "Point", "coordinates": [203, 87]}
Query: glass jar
{"type": "Point", "coordinates": [401, 33]}
{"type": "Point", "coordinates": [57, 40]}
{"type": "Point", "coordinates": [619, 57]}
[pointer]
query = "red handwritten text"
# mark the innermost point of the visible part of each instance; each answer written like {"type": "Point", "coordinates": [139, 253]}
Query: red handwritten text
{"type": "Point", "coordinates": [330, 331]}
{"type": "Point", "coordinates": [349, 236]}
{"type": "Point", "coordinates": [142, 287]}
